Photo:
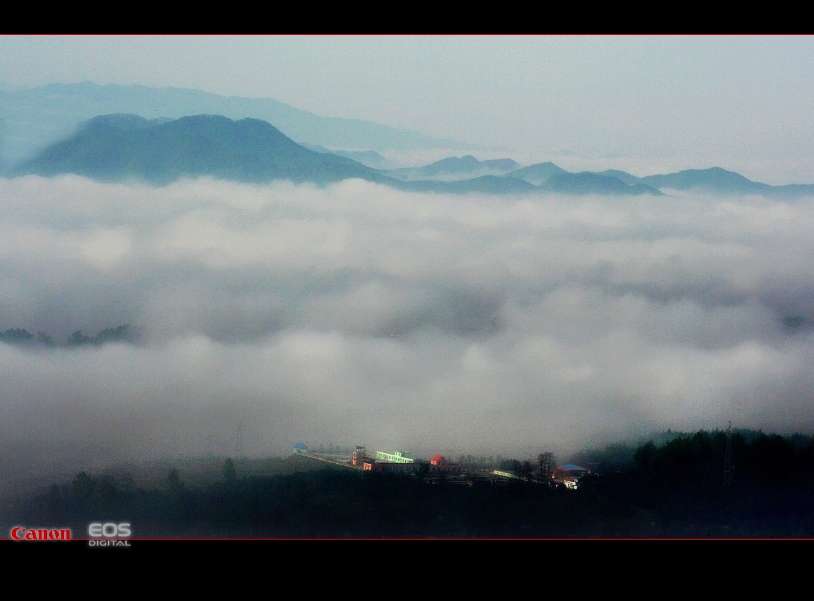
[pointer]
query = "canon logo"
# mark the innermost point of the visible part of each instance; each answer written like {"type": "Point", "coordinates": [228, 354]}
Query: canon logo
{"type": "Point", "coordinates": [23, 533]}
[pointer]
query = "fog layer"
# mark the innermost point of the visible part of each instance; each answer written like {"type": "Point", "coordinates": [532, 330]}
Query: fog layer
{"type": "Point", "coordinates": [355, 314]}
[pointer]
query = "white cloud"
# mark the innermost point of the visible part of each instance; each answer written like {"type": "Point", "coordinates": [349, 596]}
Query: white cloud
{"type": "Point", "coordinates": [361, 315]}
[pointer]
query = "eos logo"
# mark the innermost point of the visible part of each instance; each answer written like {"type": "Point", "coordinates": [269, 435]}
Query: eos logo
{"type": "Point", "coordinates": [109, 530]}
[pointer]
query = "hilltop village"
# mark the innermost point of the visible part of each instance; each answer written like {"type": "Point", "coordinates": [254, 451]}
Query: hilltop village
{"type": "Point", "coordinates": [439, 468]}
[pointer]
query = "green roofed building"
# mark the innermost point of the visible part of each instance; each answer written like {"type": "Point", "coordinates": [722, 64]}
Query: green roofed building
{"type": "Point", "coordinates": [394, 457]}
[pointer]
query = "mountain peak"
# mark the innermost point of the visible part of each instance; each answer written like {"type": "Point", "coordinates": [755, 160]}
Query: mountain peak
{"type": "Point", "coordinates": [118, 147]}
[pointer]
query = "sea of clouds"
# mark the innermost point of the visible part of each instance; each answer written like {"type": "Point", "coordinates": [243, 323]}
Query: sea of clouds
{"type": "Point", "coordinates": [356, 314]}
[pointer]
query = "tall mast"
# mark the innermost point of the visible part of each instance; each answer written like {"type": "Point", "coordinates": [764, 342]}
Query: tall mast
{"type": "Point", "coordinates": [728, 459]}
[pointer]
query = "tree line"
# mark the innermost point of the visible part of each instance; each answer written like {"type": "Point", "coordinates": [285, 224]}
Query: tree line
{"type": "Point", "coordinates": [20, 336]}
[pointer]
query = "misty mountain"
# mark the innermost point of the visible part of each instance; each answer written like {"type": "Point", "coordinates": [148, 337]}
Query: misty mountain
{"type": "Point", "coordinates": [548, 177]}
{"type": "Point", "coordinates": [488, 184]}
{"type": "Point", "coordinates": [537, 174]}
{"type": "Point", "coordinates": [714, 179]}
{"type": "Point", "coordinates": [119, 147]}
{"type": "Point", "coordinates": [720, 181]}
{"type": "Point", "coordinates": [457, 175]}
{"type": "Point", "coordinates": [32, 118]}
{"type": "Point", "coordinates": [456, 168]}
{"type": "Point", "coordinates": [125, 146]}
{"type": "Point", "coordinates": [370, 158]}
{"type": "Point", "coordinates": [622, 175]}
{"type": "Point", "coordinates": [594, 183]}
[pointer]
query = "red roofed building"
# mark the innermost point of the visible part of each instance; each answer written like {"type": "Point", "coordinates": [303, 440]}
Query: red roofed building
{"type": "Point", "coordinates": [440, 465]}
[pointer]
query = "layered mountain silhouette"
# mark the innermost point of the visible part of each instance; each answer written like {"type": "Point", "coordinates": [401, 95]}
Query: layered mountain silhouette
{"type": "Point", "coordinates": [124, 147]}
{"type": "Point", "coordinates": [587, 182]}
{"type": "Point", "coordinates": [32, 118]}
{"type": "Point", "coordinates": [371, 158]}
{"type": "Point", "coordinates": [452, 168]}
{"type": "Point", "coordinates": [159, 151]}
{"type": "Point", "coordinates": [538, 173]}
{"type": "Point", "coordinates": [715, 181]}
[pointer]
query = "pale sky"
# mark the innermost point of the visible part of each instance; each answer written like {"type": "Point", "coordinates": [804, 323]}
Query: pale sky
{"type": "Point", "coordinates": [646, 104]}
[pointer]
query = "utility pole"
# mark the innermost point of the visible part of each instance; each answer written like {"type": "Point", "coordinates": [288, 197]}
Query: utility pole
{"type": "Point", "coordinates": [728, 459]}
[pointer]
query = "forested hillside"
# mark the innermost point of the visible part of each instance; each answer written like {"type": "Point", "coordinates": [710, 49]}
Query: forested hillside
{"type": "Point", "coordinates": [674, 489]}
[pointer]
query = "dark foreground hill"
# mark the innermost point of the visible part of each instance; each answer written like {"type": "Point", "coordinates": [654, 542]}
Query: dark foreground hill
{"type": "Point", "coordinates": [678, 488]}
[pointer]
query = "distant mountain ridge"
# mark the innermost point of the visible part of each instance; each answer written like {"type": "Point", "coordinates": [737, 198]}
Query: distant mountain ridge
{"type": "Point", "coordinates": [33, 118]}
{"type": "Point", "coordinates": [129, 147]}
{"type": "Point", "coordinates": [33, 121]}
{"type": "Point", "coordinates": [715, 180]}
{"type": "Point", "coordinates": [539, 173]}
{"type": "Point", "coordinates": [587, 182]}
{"type": "Point", "coordinates": [712, 179]}
{"type": "Point", "coordinates": [371, 158]}
{"type": "Point", "coordinates": [456, 168]}
{"type": "Point", "coordinates": [120, 147]}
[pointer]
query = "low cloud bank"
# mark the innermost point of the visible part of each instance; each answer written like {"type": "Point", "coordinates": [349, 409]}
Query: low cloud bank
{"type": "Point", "coordinates": [356, 314]}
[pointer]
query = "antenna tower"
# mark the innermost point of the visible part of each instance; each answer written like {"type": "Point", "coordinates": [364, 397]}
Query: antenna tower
{"type": "Point", "coordinates": [728, 459]}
